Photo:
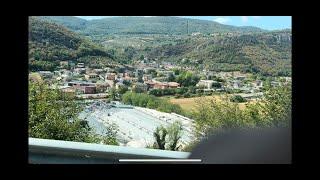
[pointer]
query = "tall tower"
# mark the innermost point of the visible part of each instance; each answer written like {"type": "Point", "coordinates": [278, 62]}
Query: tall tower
{"type": "Point", "coordinates": [187, 27]}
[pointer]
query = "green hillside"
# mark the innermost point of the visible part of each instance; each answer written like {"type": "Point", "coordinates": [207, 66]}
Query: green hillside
{"type": "Point", "coordinates": [50, 43]}
{"type": "Point", "coordinates": [146, 25]}
{"type": "Point", "coordinates": [123, 39]}
{"type": "Point", "coordinates": [71, 22]}
{"type": "Point", "coordinates": [268, 53]}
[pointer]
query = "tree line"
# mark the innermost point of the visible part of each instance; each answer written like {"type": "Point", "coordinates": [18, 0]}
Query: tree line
{"type": "Point", "coordinates": [150, 101]}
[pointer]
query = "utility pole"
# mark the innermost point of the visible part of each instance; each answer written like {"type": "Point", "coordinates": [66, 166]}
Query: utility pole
{"type": "Point", "coordinates": [187, 27]}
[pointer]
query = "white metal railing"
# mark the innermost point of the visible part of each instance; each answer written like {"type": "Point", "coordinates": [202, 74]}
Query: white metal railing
{"type": "Point", "coordinates": [49, 151]}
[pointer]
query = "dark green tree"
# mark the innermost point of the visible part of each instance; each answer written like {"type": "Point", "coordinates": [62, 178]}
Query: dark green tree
{"type": "Point", "coordinates": [171, 78]}
{"type": "Point", "coordinates": [174, 135]}
{"type": "Point", "coordinates": [53, 115]}
{"type": "Point", "coordinates": [160, 138]}
{"type": "Point", "coordinates": [273, 110]}
{"type": "Point", "coordinates": [168, 137]}
{"type": "Point", "coordinates": [111, 135]}
{"type": "Point", "coordinates": [237, 99]}
{"type": "Point", "coordinates": [113, 94]}
{"type": "Point", "coordinates": [122, 89]}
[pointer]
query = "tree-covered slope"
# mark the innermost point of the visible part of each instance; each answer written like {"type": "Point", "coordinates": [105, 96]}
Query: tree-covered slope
{"type": "Point", "coordinates": [146, 25]}
{"type": "Point", "coordinates": [268, 53]}
{"type": "Point", "coordinates": [71, 22]}
{"type": "Point", "coordinates": [124, 39]}
{"type": "Point", "coordinates": [50, 43]}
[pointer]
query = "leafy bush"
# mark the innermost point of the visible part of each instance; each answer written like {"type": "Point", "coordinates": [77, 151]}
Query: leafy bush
{"type": "Point", "coordinates": [162, 92]}
{"type": "Point", "coordinates": [181, 90]}
{"type": "Point", "coordinates": [237, 99]}
{"type": "Point", "coordinates": [168, 137]}
{"type": "Point", "coordinates": [186, 95]}
{"type": "Point", "coordinates": [274, 110]}
{"type": "Point", "coordinates": [178, 96]}
{"type": "Point", "coordinates": [155, 92]}
{"type": "Point", "coordinates": [122, 89]}
{"type": "Point", "coordinates": [54, 115]}
{"type": "Point", "coordinates": [187, 79]}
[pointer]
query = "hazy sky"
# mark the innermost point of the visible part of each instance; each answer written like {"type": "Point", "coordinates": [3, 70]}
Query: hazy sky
{"type": "Point", "coordinates": [264, 22]}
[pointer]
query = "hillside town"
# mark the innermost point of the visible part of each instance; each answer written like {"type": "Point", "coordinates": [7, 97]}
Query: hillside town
{"type": "Point", "coordinates": [103, 88]}
{"type": "Point", "coordinates": [159, 83]}
{"type": "Point", "coordinates": [144, 76]}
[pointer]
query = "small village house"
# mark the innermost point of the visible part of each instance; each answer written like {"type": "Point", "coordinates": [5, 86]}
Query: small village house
{"type": "Point", "coordinates": [98, 71]}
{"type": "Point", "coordinates": [46, 74]}
{"type": "Point", "coordinates": [80, 65]}
{"type": "Point", "coordinates": [102, 87]}
{"type": "Point", "coordinates": [205, 83]}
{"type": "Point", "coordinates": [161, 85]}
{"type": "Point", "coordinates": [147, 77]}
{"type": "Point", "coordinates": [141, 86]}
{"type": "Point", "coordinates": [84, 87]}
{"type": "Point", "coordinates": [110, 76]}
{"type": "Point", "coordinates": [80, 70]}
{"type": "Point", "coordinates": [150, 84]}
{"type": "Point", "coordinates": [91, 76]}
{"type": "Point", "coordinates": [173, 85]}
{"type": "Point", "coordinates": [89, 89]}
{"type": "Point", "coordinates": [64, 63]}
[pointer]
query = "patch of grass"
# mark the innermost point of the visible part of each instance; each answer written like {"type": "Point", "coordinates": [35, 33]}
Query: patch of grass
{"type": "Point", "coordinates": [187, 104]}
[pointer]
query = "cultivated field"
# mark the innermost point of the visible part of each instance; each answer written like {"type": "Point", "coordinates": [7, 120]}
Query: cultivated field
{"type": "Point", "coordinates": [188, 104]}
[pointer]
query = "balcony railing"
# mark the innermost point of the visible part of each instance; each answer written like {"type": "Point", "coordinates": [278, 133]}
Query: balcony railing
{"type": "Point", "coordinates": [46, 151]}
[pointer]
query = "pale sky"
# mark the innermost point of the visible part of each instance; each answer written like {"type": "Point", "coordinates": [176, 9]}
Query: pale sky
{"type": "Point", "coordinates": [264, 22]}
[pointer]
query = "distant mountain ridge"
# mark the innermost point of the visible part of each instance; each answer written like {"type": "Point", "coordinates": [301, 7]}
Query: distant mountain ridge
{"type": "Point", "coordinates": [74, 23]}
{"type": "Point", "coordinates": [146, 25]}
{"type": "Point", "coordinates": [124, 39]}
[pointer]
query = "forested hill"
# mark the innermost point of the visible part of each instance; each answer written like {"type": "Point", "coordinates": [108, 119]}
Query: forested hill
{"type": "Point", "coordinates": [267, 53]}
{"type": "Point", "coordinates": [74, 23]}
{"type": "Point", "coordinates": [219, 47]}
{"type": "Point", "coordinates": [146, 25]}
{"type": "Point", "coordinates": [50, 43]}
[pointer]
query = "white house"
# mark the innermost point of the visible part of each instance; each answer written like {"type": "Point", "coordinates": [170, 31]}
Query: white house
{"type": "Point", "coordinates": [80, 65]}
{"type": "Point", "coordinates": [205, 83]}
{"type": "Point", "coordinates": [46, 74]}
